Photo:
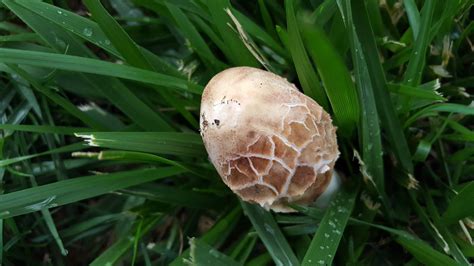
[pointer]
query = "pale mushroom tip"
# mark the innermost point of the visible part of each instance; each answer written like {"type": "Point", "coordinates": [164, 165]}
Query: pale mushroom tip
{"type": "Point", "coordinates": [271, 144]}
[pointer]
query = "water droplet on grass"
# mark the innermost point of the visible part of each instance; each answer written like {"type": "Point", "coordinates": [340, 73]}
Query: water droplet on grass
{"type": "Point", "coordinates": [269, 228]}
{"type": "Point", "coordinates": [87, 32]}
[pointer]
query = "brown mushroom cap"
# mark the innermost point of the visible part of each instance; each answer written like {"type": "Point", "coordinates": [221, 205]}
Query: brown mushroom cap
{"type": "Point", "coordinates": [270, 143]}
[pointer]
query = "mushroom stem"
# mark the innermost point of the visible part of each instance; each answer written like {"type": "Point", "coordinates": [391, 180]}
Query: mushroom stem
{"type": "Point", "coordinates": [333, 187]}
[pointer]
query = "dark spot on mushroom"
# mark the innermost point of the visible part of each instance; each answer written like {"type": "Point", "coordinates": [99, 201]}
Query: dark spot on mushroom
{"type": "Point", "coordinates": [217, 122]}
{"type": "Point", "coordinates": [251, 134]}
{"type": "Point", "coordinates": [204, 122]}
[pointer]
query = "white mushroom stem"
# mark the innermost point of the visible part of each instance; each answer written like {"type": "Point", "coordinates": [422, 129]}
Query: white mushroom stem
{"type": "Point", "coordinates": [333, 187]}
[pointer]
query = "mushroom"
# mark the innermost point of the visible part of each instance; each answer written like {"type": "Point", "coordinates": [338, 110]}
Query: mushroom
{"type": "Point", "coordinates": [270, 143]}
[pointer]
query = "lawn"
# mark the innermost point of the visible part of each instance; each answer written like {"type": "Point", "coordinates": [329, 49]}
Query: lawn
{"type": "Point", "coordinates": [101, 161]}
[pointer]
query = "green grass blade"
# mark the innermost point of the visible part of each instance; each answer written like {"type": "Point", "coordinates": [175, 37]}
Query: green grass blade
{"type": "Point", "coordinates": [458, 209]}
{"type": "Point", "coordinates": [187, 144]}
{"type": "Point", "coordinates": [413, 16]}
{"type": "Point", "coordinates": [45, 129]}
{"type": "Point", "coordinates": [421, 250]}
{"type": "Point", "coordinates": [433, 110]}
{"type": "Point", "coordinates": [68, 148]}
{"type": "Point", "coordinates": [53, 230]}
{"type": "Point", "coordinates": [61, 101]}
{"type": "Point", "coordinates": [175, 196]}
{"type": "Point", "coordinates": [324, 13]}
{"type": "Point", "coordinates": [203, 254]}
{"type": "Point", "coordinates": [340, 91]}
{"type": "Point", "coordinates": [115, 91]}
{"type": "Point", "coordinates": [416, 64]}
{"type": "Point", "coordinates": [259, 34]}
{"type": "Point", "coordinates": [194, 37]}
{"type": "Point", "coordinates": [236, 51]}
{"type": "Point", "coordinates": [86, 65]}
{"type": "Point", "coordinates": [131, 52]}
{"type": "Point", "coordinates": [215, 235]}
{"type": "Point", "coordinates": [123, 245]}
{"type": "Point", "coordinates": [424, 253]}
{"type": "Point", "coordinates": [270, 234]}
{"type": "Point", "coordinates": [415, 92]}
{"type": "Point", "coordinates": [329, 233]}
{"type": "Point", "coordinates": [117, 35]}
{"type": "Point", "coordinates": [371, 143]}
{"type": "Point", "coordinates": [376, 78]}
{"type": "Point", "coordinates": [310, 82]}
{"type": "Point", "coordinates": [85, 29]}
{"type": "Point", "coordinates": [72, 190]}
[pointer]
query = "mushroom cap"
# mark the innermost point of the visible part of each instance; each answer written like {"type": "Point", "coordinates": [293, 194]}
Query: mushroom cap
{"type": "Point", "coordinates": [270, 143]}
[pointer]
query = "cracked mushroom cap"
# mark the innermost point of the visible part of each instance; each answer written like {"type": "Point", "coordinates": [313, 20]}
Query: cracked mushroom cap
{"type": "Point", "coordinates": [270, 143]}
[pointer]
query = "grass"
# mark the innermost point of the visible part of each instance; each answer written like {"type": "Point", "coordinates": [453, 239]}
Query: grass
{"type": "Point", "coordinates": [101, 162]}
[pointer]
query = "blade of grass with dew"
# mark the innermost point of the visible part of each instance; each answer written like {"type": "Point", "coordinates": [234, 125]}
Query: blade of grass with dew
{"type": "Point", "coordinates": [341, 92]}
{"type": "Point", "coordinates": [376, 78]}
{"type": "Point", "coordinates": [123, 245]}
{"type": "Point", "coordinates": [93, 66]}
{"type": "Point", "coordinates": [131, 52]}
{"type": "Point", "coordinates": [371, 143]}
{"type": "Point", "coordinates": [115, 91]}
{"type": "Point", "coordinates": [72, 190]}
{"type": "Point", "coordinates": [416, 64]}
{"type": "Point", "coordinates": [270, 234]}
{"type": "Point", "coordinates": [202, 254]}
{"type": "Point", "coordinates": [457, 208]}
{"type": "Point", "coordinates": [310, 82]}
{"type": "Point", "coordinates": [85, 29]}
{"type": "Point", "coordinates": [329, 233]}
{"type": "Point", "coordinates": [187, 144]}
{"type": "Point", "coordinates": [214, 237]}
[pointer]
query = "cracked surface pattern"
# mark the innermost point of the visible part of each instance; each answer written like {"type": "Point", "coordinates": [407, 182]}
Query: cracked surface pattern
{"type": "Point", "coordinates": [271, 144]}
